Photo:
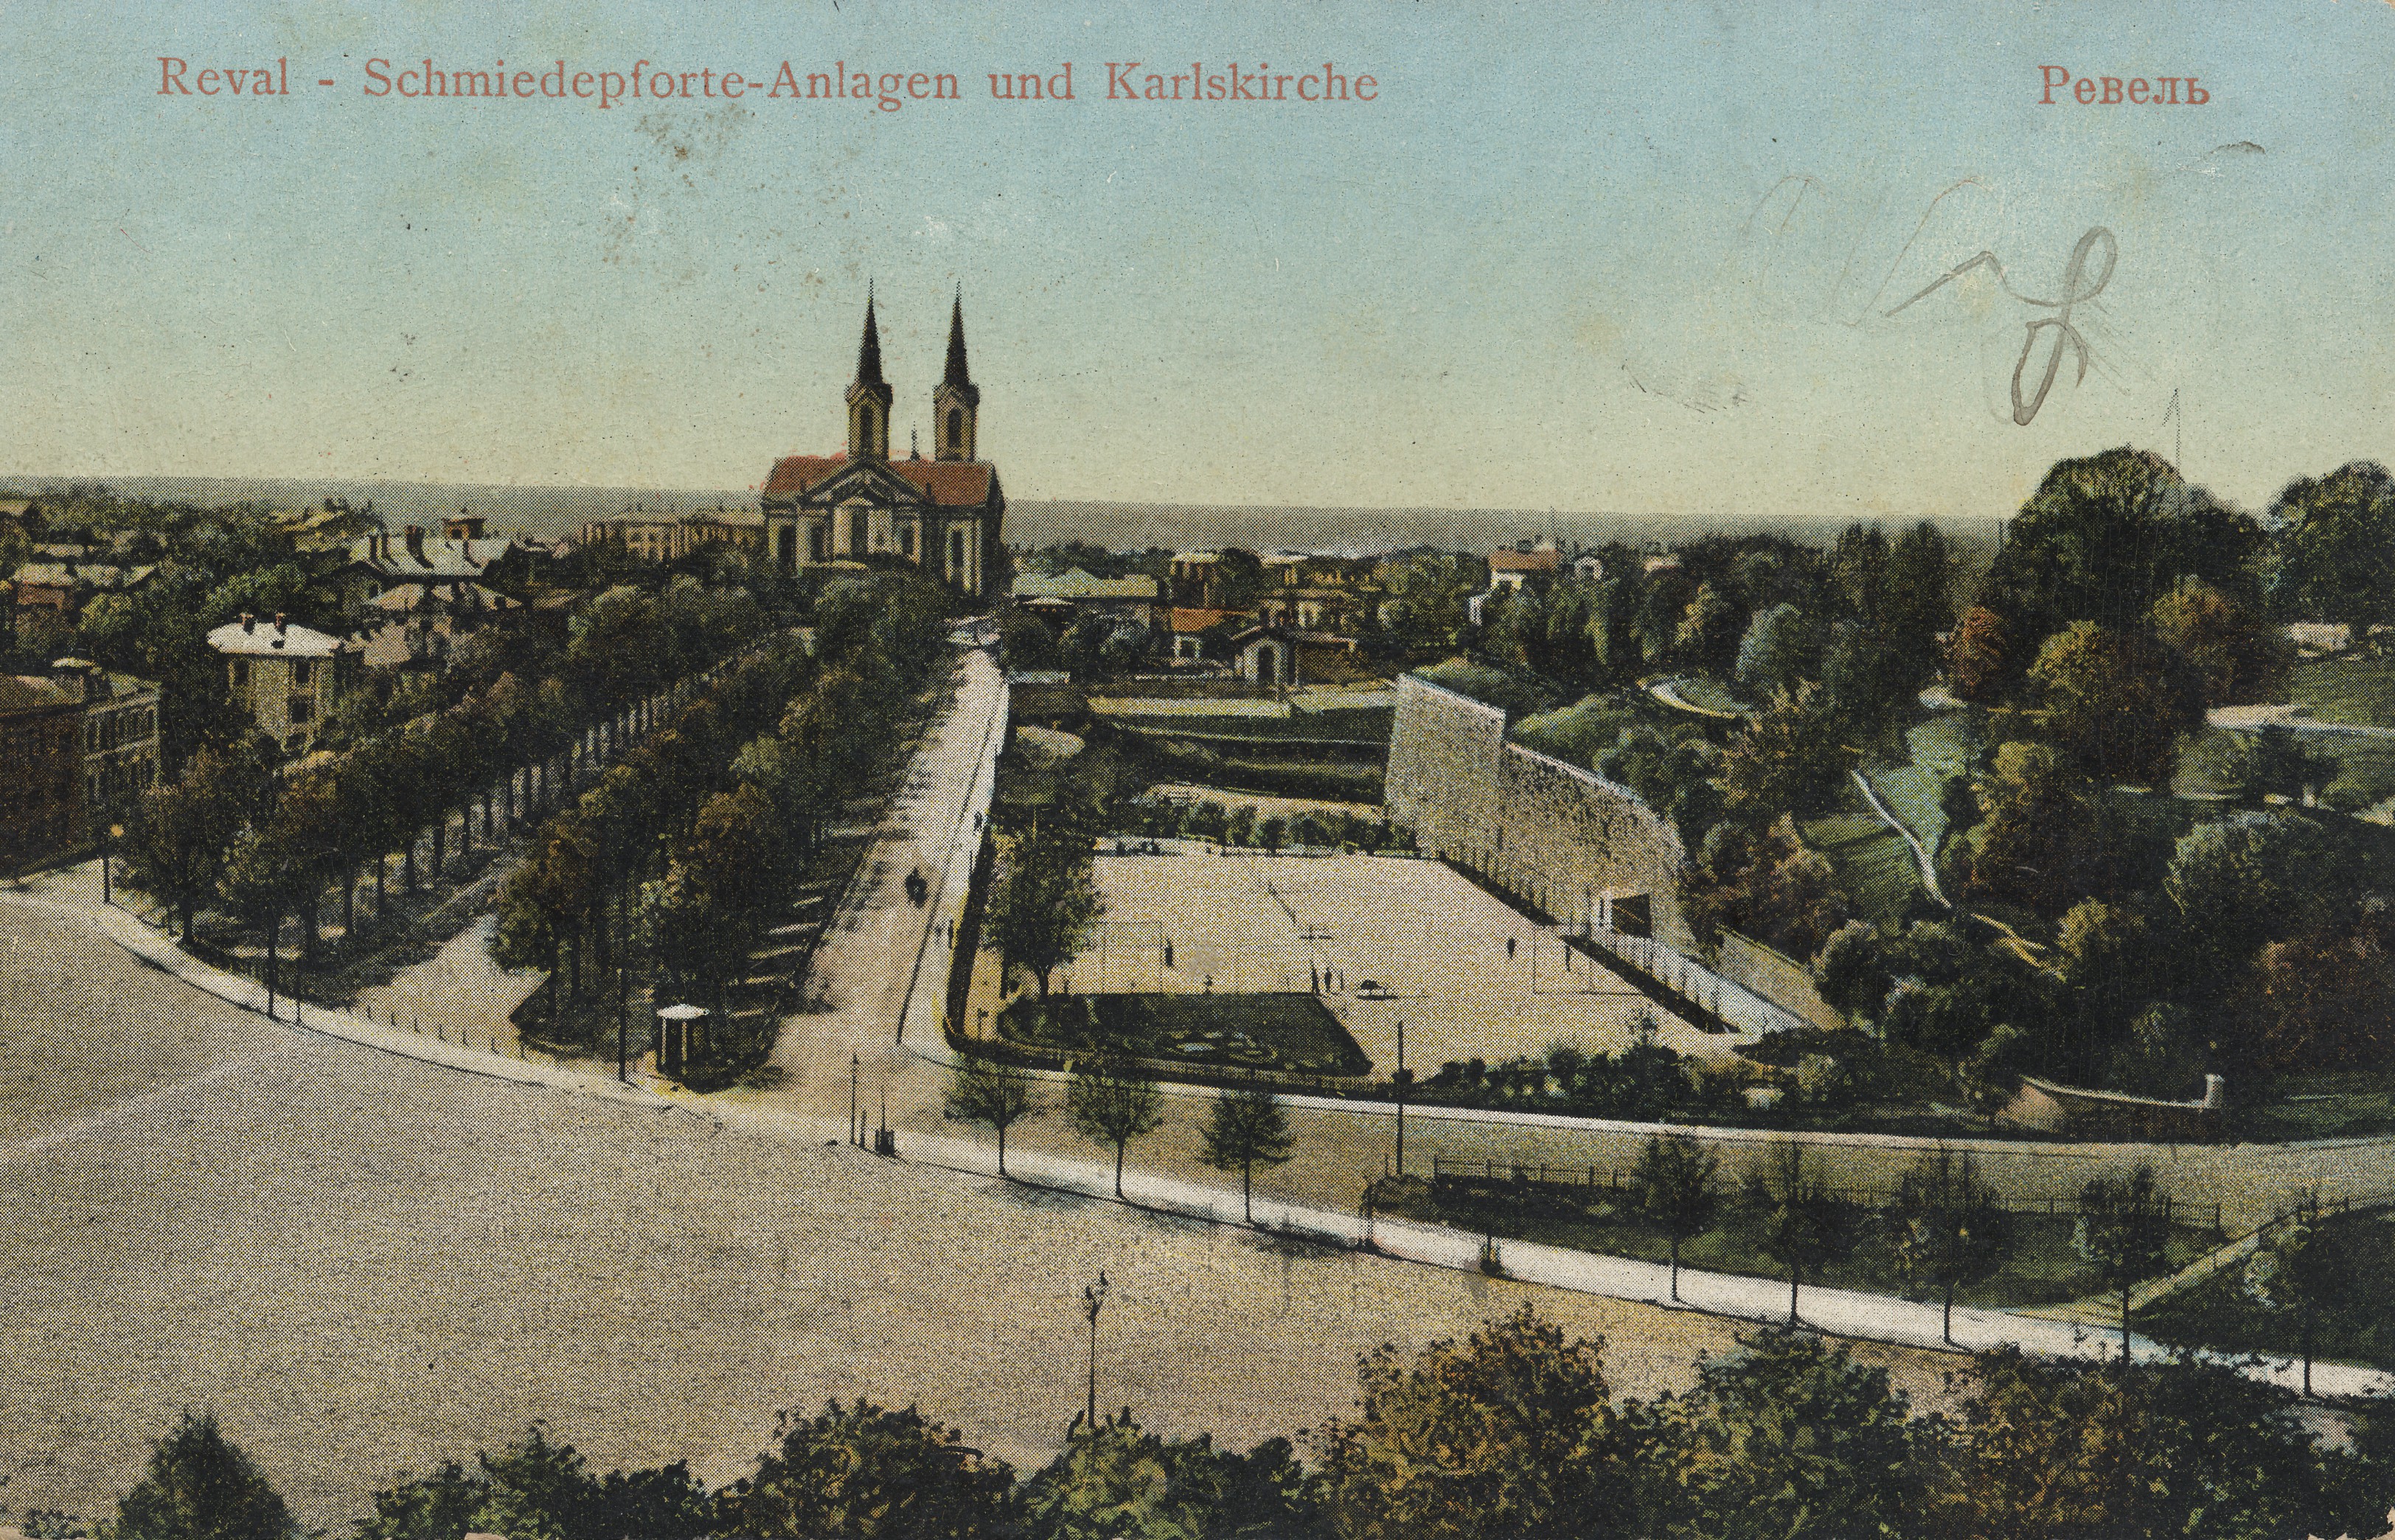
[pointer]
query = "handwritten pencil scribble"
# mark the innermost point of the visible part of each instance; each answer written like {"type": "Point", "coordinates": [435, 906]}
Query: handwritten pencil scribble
{"type": "Point", "coordinates": [2098, 242]}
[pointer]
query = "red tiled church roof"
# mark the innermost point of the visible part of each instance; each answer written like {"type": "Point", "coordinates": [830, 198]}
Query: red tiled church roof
{"type": "Point", "coordinates": [951, 483]}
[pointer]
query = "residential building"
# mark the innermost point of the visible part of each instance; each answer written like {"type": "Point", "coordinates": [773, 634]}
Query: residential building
{"type": "Point", "coordinates": [119, 735]}
{"type": "Point", "coordinates": [289, 677]}
{"type": "Point", "coordinates": [41, 770]}
{"type": "Point", "coordinates": [943, 515]}
{"type": "Point", "coordinates": [65, 584]}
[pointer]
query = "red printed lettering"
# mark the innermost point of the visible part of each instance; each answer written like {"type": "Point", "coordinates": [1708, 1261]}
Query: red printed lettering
{"type": "Point", "coordinates": [2054, 75]}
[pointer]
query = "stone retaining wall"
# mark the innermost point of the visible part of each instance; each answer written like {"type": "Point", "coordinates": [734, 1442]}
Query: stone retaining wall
{"type": "Point", "coordinates": [1557, 835]}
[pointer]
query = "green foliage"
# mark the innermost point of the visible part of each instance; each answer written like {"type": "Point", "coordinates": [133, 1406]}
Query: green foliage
{"type": "Point", "coordinates": [2337, 558]}
{"type": "Point", "coordinates": [2231, 648]}
{"type": "Point", "coordinates": [2103, 537]}
{"type": "Point", "coordinates": [1112, 1104]}
{"type": "Point", "coordinates": [1044, 907]}
{"type": "Point", "coordinates": [2125, 1231]}
{"type": "Point", "coordinates": [199, 1486]}
{"type": "Point", "coordinates": [1781, 650]}
{"type": "Point", "coordinates": [1245, 1129]}
{"type": "Point", "coordinates": [1788, 1437]}
{"type": "Point", "coordinates": [1119, 1480]}
{"type": "Point", "coordinates": [1677, 1190]}
{"type": "Point", "coordinates": [1765, 886]}
{"type": "Point", "coordinates": [863, 1472]}
{"type": "Point", "coordinates": [1508, 1435]}
{"type": "Point", "coordinates": [2115, 703]}
{"type": "Point", "coordinates": [982, 1091]}
{"type": "Point", "coordinates": [1804, 1224]}
{"type": "Point", "coordinates": [1950, 1230]}
{"type": "Point", "coordinates": [1791, 759]}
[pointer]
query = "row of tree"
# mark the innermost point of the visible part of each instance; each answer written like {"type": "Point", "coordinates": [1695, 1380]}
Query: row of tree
{"type": "Point", "coordinates": [1512, 1432]}
{"type": "Point", "coordinates": [683, 854]}
{"type": "Point", "coordinates": [1110, 1102]}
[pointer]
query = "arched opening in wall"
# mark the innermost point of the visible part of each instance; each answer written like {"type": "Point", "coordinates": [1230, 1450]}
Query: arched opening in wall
{"type": "Point", "coordinates": [786, 547]}
{"type": "Point", "coordinates": [956, 428]}
{"type": "Point", "coordinates": [856, 531]}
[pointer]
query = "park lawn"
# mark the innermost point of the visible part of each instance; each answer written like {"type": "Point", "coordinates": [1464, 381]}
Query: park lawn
{"type": "Point", "coordinates": [1276, 1031]}
{"type": "Point", "coordinates": [2359, 1327]}
{"type": "Point", "coordinates": [1872, 861]}
{"type": "Point", "coordinates": [2350, 1105]}
{"type": "Point", "coordinates": [2365, 763]}
{"type": "Point", "coordinates": [1708, 694]}
{"type": "Point", "coordinates": [2044, 1268]}
{"type": "Point", "coordinates": [2356, 689]}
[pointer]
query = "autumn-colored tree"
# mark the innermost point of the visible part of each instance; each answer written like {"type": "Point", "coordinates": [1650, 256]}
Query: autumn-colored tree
{"type": "Point", "coordinates": [2113, 703]}
{"type": "Point", "coordinates": [1977, 654]}
{"type": "Point", "coordinates": [2233, 651]}
{"type": "Point", "coordinates": [1507, 1435]}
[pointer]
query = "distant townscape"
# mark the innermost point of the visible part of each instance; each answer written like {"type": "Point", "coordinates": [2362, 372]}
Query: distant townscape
{"type": "Point", "coordinates": [1899, 945]}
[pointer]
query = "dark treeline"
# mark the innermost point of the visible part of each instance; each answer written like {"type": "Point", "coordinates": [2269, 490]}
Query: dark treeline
{"type": "Point", "coordinates": [1512, 1433]}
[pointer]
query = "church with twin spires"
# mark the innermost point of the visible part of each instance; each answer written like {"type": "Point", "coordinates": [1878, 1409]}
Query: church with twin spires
{"type": "Point", "coordinates": [941, 514]}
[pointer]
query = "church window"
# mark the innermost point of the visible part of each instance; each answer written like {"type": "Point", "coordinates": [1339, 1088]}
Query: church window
{"type": "Point", "coordinates": [956, 428]}
{"type": "Point", "coordinates": [906, 540]}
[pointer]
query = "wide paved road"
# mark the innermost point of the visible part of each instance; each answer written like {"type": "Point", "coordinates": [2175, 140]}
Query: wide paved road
{"type": "Point", "coordinates": [365, 1263]}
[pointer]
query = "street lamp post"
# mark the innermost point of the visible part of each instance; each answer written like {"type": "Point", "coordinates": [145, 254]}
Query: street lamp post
{"type": "Point", "coordinates": [623, 995]}
{"type": "Point", "coordinates": [1403, 1079]}
{"type": "Point", "coordinates": [1093, 1299]}
{"type": "Point", "coordinates": [855, 1134]}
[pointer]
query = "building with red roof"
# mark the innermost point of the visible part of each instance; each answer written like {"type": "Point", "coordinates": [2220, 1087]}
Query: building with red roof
{"type": "Point", "coordinates": [943, 514]}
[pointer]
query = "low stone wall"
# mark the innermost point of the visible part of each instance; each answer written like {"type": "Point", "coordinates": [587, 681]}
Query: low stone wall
{"type": "Point", "coordinates": [1777, 976]}
{"type": "Point", "coordinates": [2055, 1109]}
{"type": "Point", "coordinates": [1555, 835]}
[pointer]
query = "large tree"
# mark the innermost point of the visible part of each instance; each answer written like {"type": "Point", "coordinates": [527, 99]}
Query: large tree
{"type": "Point", "coordinates": [1788, 1437]}
{"type": "Point", "coordinates": [1045, 906]}
{"type": "Point", "coordinates": [1507, 1435]}
{"type": "Point", "coordinates": [2105, 536]}
{"type": "Point", "coordinates": [863, 1472]}
{"type": "Point", "coordinates": [2114, 702]}
{"type": "Point", "coordinates": [2335, 559]}
{"type": "Point", "coordinates": [199, 1486]}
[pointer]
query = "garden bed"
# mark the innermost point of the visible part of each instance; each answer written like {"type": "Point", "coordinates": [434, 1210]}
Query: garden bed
{"type": "Point", "coordinates": [1295, 1032]}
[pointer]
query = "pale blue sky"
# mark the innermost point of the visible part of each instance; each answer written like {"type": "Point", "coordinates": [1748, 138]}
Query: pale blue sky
{"type": "Point", "coordinates": [1628, 257]}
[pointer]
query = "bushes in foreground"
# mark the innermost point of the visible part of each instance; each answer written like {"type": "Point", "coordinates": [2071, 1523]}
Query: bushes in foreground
{"type": "Point", "coordinates": [1513, 1431]}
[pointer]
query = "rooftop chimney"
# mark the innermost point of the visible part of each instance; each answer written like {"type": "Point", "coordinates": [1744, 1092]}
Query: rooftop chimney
{"type": "Point", "coordinates": [416, 542]}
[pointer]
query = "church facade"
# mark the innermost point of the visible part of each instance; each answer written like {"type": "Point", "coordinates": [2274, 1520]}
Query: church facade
{"type": "Point", "coordinates": [942, 513]}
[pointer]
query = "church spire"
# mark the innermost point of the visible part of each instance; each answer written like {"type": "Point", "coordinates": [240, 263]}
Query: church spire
{"type": "Point", "coordinates": [868, 399]}
{"type": "Point", "coordinates": [869, 353]}
{"type": "Point", "coordinates": [957, 402]}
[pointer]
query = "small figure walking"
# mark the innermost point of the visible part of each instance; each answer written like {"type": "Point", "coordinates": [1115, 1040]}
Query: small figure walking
{"type": "Point", "coordinates": [1509, 946]}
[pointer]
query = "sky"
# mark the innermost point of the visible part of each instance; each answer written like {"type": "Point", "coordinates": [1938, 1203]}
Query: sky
{"type": "Point", "coordinates": [1634, 258]}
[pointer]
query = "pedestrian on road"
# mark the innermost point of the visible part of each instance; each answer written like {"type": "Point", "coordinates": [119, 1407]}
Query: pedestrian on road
{"type": "Point", "coordinates": [1509, 946]}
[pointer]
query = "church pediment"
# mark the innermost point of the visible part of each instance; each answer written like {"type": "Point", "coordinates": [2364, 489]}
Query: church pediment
{"type": "Point", "coordinates": [868, 481]}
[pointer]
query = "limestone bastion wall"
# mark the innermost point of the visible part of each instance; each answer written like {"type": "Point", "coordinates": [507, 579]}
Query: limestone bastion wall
{"type": "Point", "coordinates": [1554, 834]}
